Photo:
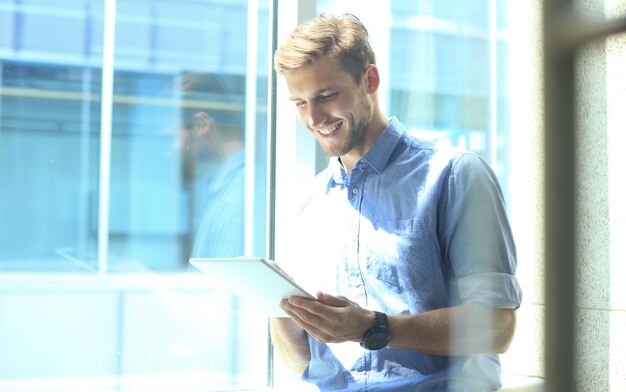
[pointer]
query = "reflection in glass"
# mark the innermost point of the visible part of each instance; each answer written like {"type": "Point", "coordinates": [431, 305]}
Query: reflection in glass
{"type": "Point", "coordinates": [165, 162]}
{"type": "Point", "coordinates": [49, 122]}
{"type": "Point", "coordinates": [178, 147]}
{"type": "Point", "coordinates": [213, 144]}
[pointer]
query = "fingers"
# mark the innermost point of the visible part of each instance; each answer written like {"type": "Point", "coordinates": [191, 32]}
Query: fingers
{"type": "Point", "coordinates": [308, 311]}
{"type": "Point", "coordinates": [309, 321]}
{"type": "Point", "coordinates": [334, 301]}
{"type": "Point", "coordinates": [330, 319]}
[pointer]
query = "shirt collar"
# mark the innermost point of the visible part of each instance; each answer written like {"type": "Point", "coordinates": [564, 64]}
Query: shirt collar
{"type": "Point", "coordinates": [378, 155]}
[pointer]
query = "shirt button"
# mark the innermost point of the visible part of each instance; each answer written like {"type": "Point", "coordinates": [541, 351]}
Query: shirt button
{"type": "Point", "coordinates": [355, 190]}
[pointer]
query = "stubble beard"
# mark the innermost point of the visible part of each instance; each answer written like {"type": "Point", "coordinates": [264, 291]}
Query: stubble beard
{"type": "Point", "coordinates": [354, 135]}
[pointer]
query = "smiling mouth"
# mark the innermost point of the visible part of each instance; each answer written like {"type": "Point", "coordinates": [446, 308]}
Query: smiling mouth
{"type": "Point", "coordinates": [330, 130]}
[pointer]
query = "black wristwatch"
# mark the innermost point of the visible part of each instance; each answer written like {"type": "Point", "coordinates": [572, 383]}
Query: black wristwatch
{"type": "Point", "coordinates": [378, 336]}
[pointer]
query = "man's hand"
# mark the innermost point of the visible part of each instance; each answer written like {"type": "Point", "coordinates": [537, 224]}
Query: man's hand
{"type": "Point", "coordinates": [330, 319]}
{"type": "Point", "coordinates": [291, 343]}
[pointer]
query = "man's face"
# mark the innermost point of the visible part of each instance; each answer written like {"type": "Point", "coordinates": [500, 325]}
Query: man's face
{"type": "Point", "coordinates": [332, 106]}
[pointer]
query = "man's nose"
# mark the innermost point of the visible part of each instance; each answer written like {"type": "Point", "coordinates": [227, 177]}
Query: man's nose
{"type": "Point", "coordinates": [316, 115]}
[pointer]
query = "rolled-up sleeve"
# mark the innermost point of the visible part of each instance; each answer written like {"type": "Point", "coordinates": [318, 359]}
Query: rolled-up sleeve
{"type": "Point", "coordinates": [476, 236]}
{"type": "Point", "coordinates": [493, 289]}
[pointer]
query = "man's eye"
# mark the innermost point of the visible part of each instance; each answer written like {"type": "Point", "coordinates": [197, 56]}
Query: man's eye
{"type": "Point", "coordinates": [327, 97]}
{"type": "Point", "coordinates": [299, 103]}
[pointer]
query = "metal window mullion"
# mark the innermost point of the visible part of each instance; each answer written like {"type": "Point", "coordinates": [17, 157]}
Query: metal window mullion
{"type": "Point", "coordinates": [270, 220]}
{"type": "Point", "coordinates": [106, 112]}
{"type": "Point", "coordinates": [271, 134]}
{"type": "Point", "coordinates": [493, 84]}
{"type": "Point", "coordinates": [1, 98]}
{"type": "Point", "coordinates": [304, 9]}
{"type": "Point", "coordinates": [84, 163]}
{"type": "Point", "coordinates": [250, 125]}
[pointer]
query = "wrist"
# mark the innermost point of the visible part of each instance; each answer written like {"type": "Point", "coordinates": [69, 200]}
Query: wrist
{"type": "Point", "coordinates": [379, 334]}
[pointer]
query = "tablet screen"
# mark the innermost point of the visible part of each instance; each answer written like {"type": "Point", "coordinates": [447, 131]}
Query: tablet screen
{"type": "Point", "coordinates": [256, 281]}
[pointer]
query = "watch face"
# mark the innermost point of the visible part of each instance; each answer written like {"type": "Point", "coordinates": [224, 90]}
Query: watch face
{"type": "Point", "coordinates": [376, 340]}
{"type": "Point", "coordinates": [378, 336]}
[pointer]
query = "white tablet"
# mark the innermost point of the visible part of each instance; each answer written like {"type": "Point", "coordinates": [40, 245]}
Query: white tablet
{"type": "Point", "coordinates": [257, 281]}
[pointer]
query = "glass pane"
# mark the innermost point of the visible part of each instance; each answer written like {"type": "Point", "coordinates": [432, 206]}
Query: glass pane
{"type": "Point", "coordinates": [49, 123]}
{"type": "Point", "coordinates": [187, 178]}
{"type": "Point", "coordinates": [178, 173]}
{"type": "Point", "coordinates": [447, 70]}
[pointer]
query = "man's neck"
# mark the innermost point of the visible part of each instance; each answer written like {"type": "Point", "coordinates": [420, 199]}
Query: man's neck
{"type": "Point", "coordinates": [230, 148]}
{"type": "Point", "coordinates": [377, 127]}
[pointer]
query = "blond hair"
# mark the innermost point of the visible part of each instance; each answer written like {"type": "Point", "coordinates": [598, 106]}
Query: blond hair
{"type": "Point", "coordinates": [342, 38]}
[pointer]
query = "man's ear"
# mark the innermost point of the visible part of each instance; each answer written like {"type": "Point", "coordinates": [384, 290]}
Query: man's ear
{"type": "Point", "coordinates": [203, 124]}
{"type": "Point", "coordinates": [372, 78]}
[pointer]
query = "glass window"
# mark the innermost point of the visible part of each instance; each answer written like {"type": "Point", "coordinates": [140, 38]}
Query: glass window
{"type": "Point", "coordinates": [180, 172]}
{"type": "Point", "coordinates": [447, 71]}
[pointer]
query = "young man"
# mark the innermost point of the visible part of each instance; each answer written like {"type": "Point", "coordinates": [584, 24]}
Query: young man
{"type": "Point", "coordinates": [410, 242]}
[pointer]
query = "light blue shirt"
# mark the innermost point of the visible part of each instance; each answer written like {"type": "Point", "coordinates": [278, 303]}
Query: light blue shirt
{"type": "Point", "coordinates": [413, 228]}
{"type": "Point", "coordinates": [221, 229]}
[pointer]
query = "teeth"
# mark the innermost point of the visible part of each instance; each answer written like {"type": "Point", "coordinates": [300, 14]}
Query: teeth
{"type": "Point", "coordinates": [329, 131]}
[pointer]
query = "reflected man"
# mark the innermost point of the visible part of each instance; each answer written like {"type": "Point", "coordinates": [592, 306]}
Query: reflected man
{"type": "Point", "coordinates": [214, 159]}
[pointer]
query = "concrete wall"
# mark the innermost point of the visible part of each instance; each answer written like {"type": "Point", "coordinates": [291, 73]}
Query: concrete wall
{"type": "Point", "coordinates": [601, 222]}
{"type": "Point", "coordinates": [601, 317]}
